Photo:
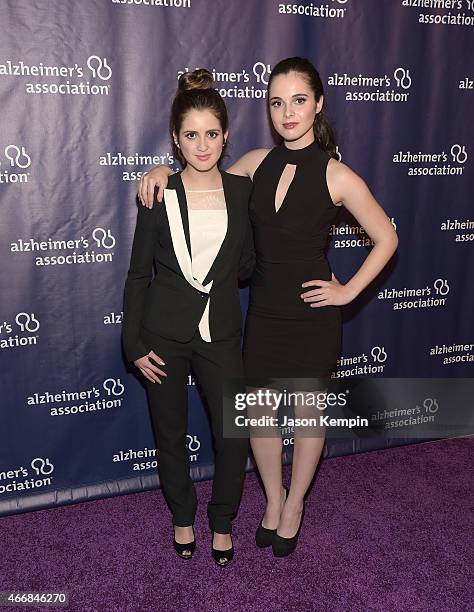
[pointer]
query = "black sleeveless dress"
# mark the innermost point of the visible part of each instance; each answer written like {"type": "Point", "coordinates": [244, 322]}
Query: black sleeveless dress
{"type": "Point", "coordinates": [284, 336]}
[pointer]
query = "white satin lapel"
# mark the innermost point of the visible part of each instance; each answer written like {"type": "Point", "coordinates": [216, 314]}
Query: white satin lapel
{"type": "Point", "coordinates": [179, 240]}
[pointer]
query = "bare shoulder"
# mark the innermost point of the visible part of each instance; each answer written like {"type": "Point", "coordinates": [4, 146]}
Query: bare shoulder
{"type": "Point", "coordinates": [249, 162]}
{"type": "Point", "coordinates": [257, 156]}
{"type": "Point", "coordinates": [341, 180]}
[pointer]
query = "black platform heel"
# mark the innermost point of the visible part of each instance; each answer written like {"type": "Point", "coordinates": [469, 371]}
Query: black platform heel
{"type": "Point", "coordinates": [282, 547]}
{"type": "Point", "coordinates": [263, 536]}
{"type": "Point", "coordinates": [222, 557]}
{"type": "Point", "coordinates": [183, 548]}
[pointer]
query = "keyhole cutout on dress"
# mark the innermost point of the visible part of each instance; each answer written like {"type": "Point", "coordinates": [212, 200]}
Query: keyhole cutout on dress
{"type": "Point", "coordinates": [284, 183]}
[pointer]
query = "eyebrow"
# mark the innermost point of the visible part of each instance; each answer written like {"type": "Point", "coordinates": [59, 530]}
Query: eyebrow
{"type": "Point", "coordinates": [209, 130]}
{"type": "Point", "coordinates": [298, 95]}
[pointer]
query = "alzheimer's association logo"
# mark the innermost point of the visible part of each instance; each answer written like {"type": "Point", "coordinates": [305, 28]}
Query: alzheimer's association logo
{"type": "Point", "coordinates": [19, 332]}
{"type": "Point", "coordinates": [13, 163]}
{"type": "Point", "coordinates": [99, 67]}
{"type": "Point", "coordinates": [89, 77]}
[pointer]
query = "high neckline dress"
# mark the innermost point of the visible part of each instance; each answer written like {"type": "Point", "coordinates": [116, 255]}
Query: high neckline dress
{"type": "Point", "coordinates": [284, 336]}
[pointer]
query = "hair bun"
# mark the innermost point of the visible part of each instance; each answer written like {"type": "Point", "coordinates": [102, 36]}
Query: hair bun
{"type": "Point", "coordinates": [197, 79]}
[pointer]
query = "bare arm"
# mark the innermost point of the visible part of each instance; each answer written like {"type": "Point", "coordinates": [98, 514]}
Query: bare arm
{"type": "Point", "coordinates": [248, 163]}
{"type": "Point", "coordinates": [158, 175]}
{"type": "Point", "coordinates": [348, 189]}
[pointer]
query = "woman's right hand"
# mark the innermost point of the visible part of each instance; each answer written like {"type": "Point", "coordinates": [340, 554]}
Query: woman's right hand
{"type": "Point", "coordinates": [148, 369]}
{"type": "Point", "coordinates": [156, 177]}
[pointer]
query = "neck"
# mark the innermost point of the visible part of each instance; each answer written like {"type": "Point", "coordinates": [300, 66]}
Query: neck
{"type": "Point", "coordinates": [303, 141]}
{"type": "Point", "coordinates": [196, 179]}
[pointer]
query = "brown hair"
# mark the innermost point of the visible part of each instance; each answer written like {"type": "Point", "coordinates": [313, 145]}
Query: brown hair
{"type": "Point", "coordinates": [323, 130]}
{"type": "Point", "coordinates": [195, 92]}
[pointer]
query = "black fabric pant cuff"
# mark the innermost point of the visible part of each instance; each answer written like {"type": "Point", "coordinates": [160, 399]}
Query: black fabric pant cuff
{"type": "Point", "coordinates": [183, 522]}
{"type": "Point", "coordinates": [223, 527]}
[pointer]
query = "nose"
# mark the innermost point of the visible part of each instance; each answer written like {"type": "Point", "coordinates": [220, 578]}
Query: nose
{"type": "Point", "coordinates": [202, 144]}
{"type": "Point", "coordinates": [289, 112]}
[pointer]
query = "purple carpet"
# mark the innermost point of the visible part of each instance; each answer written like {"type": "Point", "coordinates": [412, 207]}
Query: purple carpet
{"type": "Point", "coordinates": [384, 531]}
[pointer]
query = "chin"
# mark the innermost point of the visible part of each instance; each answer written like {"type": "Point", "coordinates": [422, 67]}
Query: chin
{"type": "Point", "coordinates": [293, 135]}
{"type": "Point", "coordinates": [290, 135]}
{"type": "Point", "coordinates": [206, 166]}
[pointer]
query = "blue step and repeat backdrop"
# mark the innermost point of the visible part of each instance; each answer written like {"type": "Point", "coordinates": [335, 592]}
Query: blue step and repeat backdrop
{"type": "Point", "coordinates": [85, 91]}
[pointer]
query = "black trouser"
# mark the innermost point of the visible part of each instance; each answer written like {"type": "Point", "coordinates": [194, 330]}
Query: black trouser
{"type": "Point", "coordinates": [212, 363]}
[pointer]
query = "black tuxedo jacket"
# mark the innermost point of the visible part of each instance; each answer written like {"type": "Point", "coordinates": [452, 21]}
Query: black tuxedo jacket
{"type": "Point", "coordinates": [172, 302]}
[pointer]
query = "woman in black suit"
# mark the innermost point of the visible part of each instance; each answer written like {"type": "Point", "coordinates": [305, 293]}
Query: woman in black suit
{"type": "Point", "coordinates": [189, 314]}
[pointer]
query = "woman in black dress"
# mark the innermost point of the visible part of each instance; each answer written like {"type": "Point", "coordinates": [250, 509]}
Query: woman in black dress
{"type": "Point", "coordinates": [294, 321]}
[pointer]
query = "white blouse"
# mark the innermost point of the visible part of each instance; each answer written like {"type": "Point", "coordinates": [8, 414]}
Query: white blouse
{"type": "Point", "coordinates": [207, 213]}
